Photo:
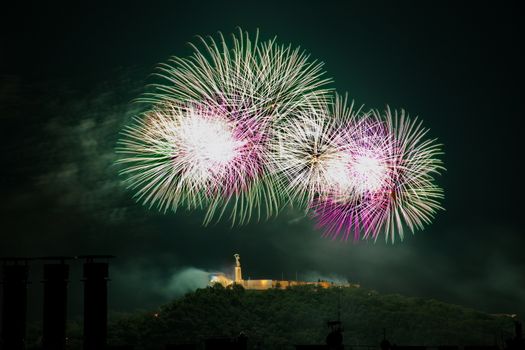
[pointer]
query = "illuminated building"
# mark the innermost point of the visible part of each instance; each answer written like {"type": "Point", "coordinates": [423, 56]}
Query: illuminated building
{"type": "Point", "coordinates": [264, 284]}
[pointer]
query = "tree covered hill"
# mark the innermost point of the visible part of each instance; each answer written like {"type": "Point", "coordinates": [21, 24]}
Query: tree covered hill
{"type": "Point", "coordinates": [276, 319]}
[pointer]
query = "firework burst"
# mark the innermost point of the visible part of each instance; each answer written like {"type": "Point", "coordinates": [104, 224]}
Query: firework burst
{"type": "Point", "coordinates": [392, 169]}
{"type": "Point", "coordinates": [213, 154]}
{"type": "Point", "coordinates": [245, 127]}
{"type": "Point", "coordinates": [309, 153]}
{"type": "Point", "coordinates": [189, 156]}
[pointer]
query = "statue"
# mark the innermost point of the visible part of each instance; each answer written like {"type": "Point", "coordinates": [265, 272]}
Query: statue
{"type": "Point", "coordinates": [237, 259]}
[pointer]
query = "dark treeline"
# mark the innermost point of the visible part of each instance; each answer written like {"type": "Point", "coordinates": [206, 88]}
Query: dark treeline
{"type": "Point", "coordinates": [277, 319]}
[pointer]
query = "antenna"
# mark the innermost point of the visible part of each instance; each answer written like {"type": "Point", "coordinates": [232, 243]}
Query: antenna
{"type": "Point", "coordinates": [339, 306]}
{"type": "Point", "coordinates": [385, 344]}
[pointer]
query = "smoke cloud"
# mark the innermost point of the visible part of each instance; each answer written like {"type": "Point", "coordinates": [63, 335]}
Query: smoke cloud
{"type": "Point", "coordinates": [186, 280]}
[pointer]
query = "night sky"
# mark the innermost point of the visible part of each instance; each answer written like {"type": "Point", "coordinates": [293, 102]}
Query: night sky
{"type": "Point", "coordinates": [68, 76]}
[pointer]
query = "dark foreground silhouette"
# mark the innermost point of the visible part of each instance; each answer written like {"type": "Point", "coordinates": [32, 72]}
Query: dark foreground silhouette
{"type": "Point", "coordinates": [235, 318]}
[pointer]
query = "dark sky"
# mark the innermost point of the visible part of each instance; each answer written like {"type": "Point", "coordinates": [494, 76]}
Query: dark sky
{"type": "Point", "coordinates": [67, 78]}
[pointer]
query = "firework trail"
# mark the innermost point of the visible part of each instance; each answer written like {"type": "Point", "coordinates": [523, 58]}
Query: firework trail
{"type": "Point", "coordinates": [204, 142]}
{"type": "Point", "coordinates": [257, 76]}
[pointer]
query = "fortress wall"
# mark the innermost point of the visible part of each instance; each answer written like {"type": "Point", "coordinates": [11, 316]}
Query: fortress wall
{"type": "Point", "coordinates": [258, 284]}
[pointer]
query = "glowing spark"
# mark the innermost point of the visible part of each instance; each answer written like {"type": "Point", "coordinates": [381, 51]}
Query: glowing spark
{"type": "Point", "coordinates": [206, 144]}
{"type": "Point", "coordinates": [369, 173]}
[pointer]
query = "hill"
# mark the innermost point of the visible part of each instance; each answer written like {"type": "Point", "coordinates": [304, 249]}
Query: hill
{"type": "Point", "coordinates": [280, 318]}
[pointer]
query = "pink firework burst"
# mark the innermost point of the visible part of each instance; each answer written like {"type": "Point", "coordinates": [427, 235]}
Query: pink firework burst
{"type": "Point", "coordinates": [366, 172]}
{"type": "Point", "coordinates": [390, 169]}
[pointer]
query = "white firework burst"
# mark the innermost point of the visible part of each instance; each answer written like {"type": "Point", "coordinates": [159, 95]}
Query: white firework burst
{"type": "Point", "coordinates": [310, 154]}
{"type": "Point", "coordinates": [252, 83]}
{"type": "Point", "coordinates": [191, 156]}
